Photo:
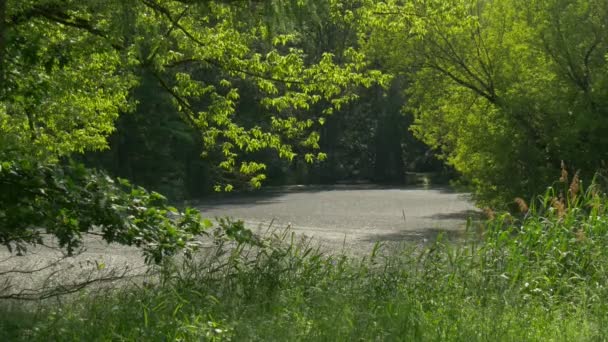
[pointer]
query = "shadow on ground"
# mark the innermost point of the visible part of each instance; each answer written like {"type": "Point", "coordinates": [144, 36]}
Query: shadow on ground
{"type": "Point", "coordinates": [461, 215]}
{"type": "Point", "coordinates": [272, 195]}
{"type": "Point", "coordinates": [421, 235]}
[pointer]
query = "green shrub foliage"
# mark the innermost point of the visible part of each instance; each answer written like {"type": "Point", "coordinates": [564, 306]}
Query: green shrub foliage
{"type": "Point", "coordinates": [70, 201]}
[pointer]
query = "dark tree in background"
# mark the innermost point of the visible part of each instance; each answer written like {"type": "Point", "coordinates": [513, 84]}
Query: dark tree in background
{"type": "Point", "coordinates": [366, 139]}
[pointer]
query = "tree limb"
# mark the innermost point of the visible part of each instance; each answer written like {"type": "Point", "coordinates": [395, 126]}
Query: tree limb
{"type": "Point", "coordinates": [56, 15]}
{"type": "Point", "coordinates": [167, 14]}
{"type": "Point", "coordinates": [182, 102]}
{"type": "Point", "coordinates": [492, 98]}
{"type": "Point", "coordinates": [3, 28]}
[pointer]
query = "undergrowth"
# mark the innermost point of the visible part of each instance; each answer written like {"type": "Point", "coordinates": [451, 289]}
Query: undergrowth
{"type": "Point", "coordinates": [538, 276]}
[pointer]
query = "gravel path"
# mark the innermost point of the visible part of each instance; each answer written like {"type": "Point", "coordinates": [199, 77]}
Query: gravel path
{"type": "Point", "coordinates": [354, 216]}
{"type": "Point", "coordinates": [349, 218]}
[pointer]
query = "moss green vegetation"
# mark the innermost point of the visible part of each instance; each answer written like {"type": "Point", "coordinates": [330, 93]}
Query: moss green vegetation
{"type": "Point", "coordinates": [537, 277]}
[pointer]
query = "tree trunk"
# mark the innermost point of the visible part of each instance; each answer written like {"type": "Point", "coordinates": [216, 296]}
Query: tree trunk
{"type": "Point", "coordinates": [3, 26]}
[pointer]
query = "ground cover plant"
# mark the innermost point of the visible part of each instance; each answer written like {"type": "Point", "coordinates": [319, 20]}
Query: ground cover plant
{"type": "Point", "coordinates": [540, 276]}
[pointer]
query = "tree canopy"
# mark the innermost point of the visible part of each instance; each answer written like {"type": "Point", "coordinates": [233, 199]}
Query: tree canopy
{"type": "Point", "coordinates": [69, 69]}
{"type": "Point", "coordinates": [506, 90]}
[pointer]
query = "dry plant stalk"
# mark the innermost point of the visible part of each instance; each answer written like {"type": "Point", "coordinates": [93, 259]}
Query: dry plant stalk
{"type": "Point", "coordinates": [559, 205]}
{"type": "Point", "coordinates": [521, 203]}
{"type": "Point", "coordinates": [594, 191]}
{"type": "Point", "coordinates": [564, 176]}
{"type": "Point", "coordinates": [580, 235]}
{"type": "Point", "coordinates": [490, 214]}
{"type": "Point", "coordinates": [575, 185]}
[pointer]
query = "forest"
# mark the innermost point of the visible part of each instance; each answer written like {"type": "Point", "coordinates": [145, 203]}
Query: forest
{"type": "Point", "coordinates": [115, 112]}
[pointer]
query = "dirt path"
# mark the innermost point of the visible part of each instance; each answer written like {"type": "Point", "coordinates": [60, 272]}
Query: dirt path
{"type": "Point", "coordinates": [349, 218]}
{"type": "Point", "coordinates": [355, 217]}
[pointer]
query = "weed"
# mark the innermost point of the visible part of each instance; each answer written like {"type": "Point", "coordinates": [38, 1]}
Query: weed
{"type": "Point", "coordinates": [541, 276]}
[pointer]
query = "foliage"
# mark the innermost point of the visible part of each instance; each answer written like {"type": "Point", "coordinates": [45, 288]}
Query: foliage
{"type": "Point", "coordinates": [538, 277]}
{"type": "Point", "coordinates": [366, 139]}
{"type": "Point", "coordinates": [153, 147]}
{"type": "Point", "coordinates": [69, 70]}
{"type": "Point", "coordinates": [71, 201]}
{"type": "Point", "coordinates": [69, 67]}
{"type": "Point", "coordinates": [506, 90]}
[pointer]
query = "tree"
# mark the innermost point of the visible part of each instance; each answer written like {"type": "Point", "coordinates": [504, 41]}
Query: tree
{"type": "Point", "coordinates": [506, 90]}
{"type": "Point", "coordinates": [69, 69]}
{"type": "Point", "coordinates": [366, 139]}
{"type": "Point", "coordinates": [112, 42]}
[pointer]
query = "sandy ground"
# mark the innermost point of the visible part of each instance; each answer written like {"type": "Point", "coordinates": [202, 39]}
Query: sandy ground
{"type": "Point", "coordinates": [339, 218]}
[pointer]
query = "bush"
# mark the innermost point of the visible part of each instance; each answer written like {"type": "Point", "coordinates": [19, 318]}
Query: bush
{"type": "Point", "coordinates": [69, 200]}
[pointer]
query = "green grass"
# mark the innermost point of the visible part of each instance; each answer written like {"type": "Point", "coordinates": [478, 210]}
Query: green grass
{"type": "Point", "coordinates": [538, 278]}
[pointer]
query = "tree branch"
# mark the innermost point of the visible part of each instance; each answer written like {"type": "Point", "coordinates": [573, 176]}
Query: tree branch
{"type": "Point", "coordinates": [177, 98]}
{"type": "Point", "coordinates": [492, 98]}
{"type": "Point", "coordinates": [167, 14]}
{"type": "Point", "coordinates": [45, 292]}
{"type": "Point", "coordinates": [56, 15]}
{"type": "Point", "coordinates": [3, 27]}
{"type": "Point", "coordinates": [452, 54]}
{"type": "Point", "coordinates": [56, 279]}
{"type": "Point", "coordinates": [45, 267]}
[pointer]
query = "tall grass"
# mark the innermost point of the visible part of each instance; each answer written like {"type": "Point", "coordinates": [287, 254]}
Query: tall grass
{"type": "Point", "coordinates": [540, 276]}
